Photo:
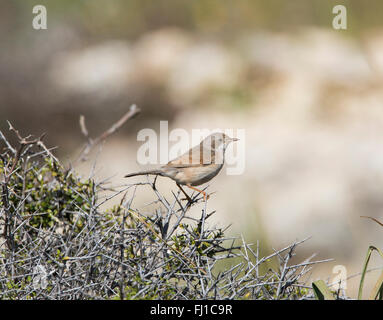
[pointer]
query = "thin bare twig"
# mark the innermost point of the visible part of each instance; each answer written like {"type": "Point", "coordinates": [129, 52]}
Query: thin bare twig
{"type": "Point", "coordinates": [91, 143]}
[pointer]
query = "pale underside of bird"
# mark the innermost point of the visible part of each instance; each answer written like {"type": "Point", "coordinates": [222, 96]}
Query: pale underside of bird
{"type": "Point", "coordinates": [196, 166]}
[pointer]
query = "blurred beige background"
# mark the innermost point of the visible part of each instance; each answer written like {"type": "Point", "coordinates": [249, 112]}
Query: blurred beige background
{"type": "Point", "coordinates": [309, 97]}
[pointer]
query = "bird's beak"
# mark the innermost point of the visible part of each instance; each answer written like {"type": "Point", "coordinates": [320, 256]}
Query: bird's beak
{"type": "Point", "coordinates": [234, 139]}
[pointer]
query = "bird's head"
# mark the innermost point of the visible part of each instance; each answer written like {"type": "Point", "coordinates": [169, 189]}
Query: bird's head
{"type": "Point", "coordinates": [218, 141]}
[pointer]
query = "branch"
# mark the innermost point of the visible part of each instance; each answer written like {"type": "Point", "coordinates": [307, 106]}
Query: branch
{"type": "Point", "coordinates": [91, 143]}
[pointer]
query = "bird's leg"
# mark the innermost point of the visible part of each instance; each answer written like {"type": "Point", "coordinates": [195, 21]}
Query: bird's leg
{"type": "Point", "coordinates": [186, 195]}
{"type": "Point", "coordinates": [205, 196]}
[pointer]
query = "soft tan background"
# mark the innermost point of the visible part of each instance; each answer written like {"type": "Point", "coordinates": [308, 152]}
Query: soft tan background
{"type": "Point", "coordinates": [309, 97]}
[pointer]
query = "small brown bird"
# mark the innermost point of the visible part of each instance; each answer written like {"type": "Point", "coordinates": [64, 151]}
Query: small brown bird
{"type": "Point", "coordinates": [196, 166]}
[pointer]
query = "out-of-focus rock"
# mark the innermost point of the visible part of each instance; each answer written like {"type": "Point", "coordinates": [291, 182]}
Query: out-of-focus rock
{"type": "Point", "coordinates": [102, 70]}
{"type": "Point", "coordinates": [157, 53]}
{"type": "Point", "coordinates": [312, 53]}
{"type": "Point", "coordinates": [205, 66]}
{"type": "Point", "coordinates": [374, 51]}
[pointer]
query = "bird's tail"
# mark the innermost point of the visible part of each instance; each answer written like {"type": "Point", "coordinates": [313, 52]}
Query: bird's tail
{"type": "Point", "coordinates": [142, 173]}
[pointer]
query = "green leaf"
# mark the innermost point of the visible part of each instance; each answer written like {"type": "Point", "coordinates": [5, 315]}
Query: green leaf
{"type": "Point", "coordinates": [377, 291]}
{"type": "Point", "coordinates": [368, 256]}
{"type": "Point", "coordinates": [321, 291]}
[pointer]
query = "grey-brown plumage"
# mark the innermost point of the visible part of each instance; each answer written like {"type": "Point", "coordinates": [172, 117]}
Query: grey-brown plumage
{"type": "Point", "coordinates": [196, 166]}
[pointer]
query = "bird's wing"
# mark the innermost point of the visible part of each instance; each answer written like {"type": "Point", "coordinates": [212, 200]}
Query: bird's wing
{"type": "Point", "coordinates": [192, 158]}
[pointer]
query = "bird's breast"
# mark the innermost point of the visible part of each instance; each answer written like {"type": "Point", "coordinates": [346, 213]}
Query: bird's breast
{"type": "Point", "coordinates": [197, 175]}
